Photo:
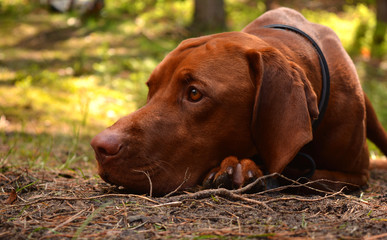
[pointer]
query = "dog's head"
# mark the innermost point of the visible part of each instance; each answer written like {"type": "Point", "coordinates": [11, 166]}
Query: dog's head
{"type": "Point", "coordinates": [211, 97]}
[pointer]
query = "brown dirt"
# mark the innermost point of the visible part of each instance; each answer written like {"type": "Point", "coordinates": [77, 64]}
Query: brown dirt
{"type": "Point", "coordinates": [64, 205]}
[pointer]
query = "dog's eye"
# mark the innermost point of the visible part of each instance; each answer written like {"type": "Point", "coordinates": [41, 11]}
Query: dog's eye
{"type": "Point", "coordinates": [194, 94]}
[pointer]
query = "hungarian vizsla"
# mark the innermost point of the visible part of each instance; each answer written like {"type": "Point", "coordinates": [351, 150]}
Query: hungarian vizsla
{"type": "Point", "coordinates": [234, 106]}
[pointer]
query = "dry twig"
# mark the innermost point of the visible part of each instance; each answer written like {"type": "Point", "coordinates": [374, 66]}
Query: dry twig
{"type": "Point", "coordinates": [179, 187]}
{"type": "Point", "coordinates": [45, 199]}
{"type": "Point", "coordinates": [72, 218]}
{"type": "Point", "coordinates": [168, 204]}
{"type": "Point", "coordinates": [223, 193]}
{"type": "Point", "coordinates": [304, 199]}
{"type": "Point", "coordinates": [150, 181]}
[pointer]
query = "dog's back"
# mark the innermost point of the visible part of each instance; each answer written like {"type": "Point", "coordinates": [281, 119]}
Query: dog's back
{"type": "Point", "coordinates": [349, 110]}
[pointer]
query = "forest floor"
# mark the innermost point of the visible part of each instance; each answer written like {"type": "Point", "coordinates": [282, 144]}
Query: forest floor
{"type": "Point", "coordinates": [65, 205]}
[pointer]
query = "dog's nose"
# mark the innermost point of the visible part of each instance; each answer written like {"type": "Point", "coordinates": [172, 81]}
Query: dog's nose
{"type": "Point", "coordinates": [107, 144]}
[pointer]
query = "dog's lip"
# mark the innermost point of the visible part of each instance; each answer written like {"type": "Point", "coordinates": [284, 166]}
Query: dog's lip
{"type": "Point", "coordinates": [138, 174]}
{"type": "Point", "coordinates": [134, 171]}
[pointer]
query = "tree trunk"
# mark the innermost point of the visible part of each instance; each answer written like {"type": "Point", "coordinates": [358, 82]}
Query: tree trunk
{"type": "Point", "coordinates": [380, 29]}
{"type": "Point", "coordinates": [269, 4]}
{"type": "Point", "coordinates": [209, 16]}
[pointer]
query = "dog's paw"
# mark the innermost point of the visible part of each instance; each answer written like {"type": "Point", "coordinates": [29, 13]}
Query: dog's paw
{"type": "Point", "coordinates": [232, 174]}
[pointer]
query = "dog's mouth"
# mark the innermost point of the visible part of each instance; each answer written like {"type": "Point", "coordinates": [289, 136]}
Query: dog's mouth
{"type": "Point", "coordinates": [130, 177]}
{"type": "Point", "coordinates": [149, 178]}
{"type": "Point", "coordinates": [135, 162]}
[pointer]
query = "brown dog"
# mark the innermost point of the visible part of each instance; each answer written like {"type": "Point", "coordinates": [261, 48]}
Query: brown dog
{"type": "Point", "coordinates": [241, 94]}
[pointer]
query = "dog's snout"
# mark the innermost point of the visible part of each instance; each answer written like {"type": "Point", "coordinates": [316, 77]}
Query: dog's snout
{"type": "Point", "coordinates": [107, 144]}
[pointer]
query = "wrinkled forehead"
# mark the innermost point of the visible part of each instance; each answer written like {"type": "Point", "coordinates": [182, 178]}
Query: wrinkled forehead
{"type": "Point", "coordinates": [204, 55]}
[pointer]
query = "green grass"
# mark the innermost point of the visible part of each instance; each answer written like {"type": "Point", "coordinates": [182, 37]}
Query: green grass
{"type": "Point", "coordinates": [63, 80]}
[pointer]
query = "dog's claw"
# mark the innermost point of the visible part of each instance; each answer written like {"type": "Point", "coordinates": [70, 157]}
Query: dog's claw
{"type": "Point", "coordinates": [250, 174]}
{"type": "Point", "coordinates": [230, 171]}
{"type": "Point", "coordinates": [232, 174]}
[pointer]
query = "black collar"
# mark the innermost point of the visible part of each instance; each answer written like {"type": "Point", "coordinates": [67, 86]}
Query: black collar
{"type": "Point", "coordinates": [322, 105]}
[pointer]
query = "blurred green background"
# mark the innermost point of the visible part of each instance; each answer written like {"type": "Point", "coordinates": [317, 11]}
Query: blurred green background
{"type": "Point", "coordinates": [65, 76]}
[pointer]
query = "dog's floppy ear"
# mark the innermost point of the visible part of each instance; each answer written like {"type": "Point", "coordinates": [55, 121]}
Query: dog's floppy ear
{"type": "Point", "coordinates": [284, 107]}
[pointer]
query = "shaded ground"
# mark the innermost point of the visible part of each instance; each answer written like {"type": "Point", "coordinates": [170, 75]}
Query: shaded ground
{"type": "Point", "coordinates": [64, 205]}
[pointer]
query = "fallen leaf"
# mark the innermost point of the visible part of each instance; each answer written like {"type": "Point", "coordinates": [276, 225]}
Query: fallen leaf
{"type": "Point", "coordinates": [12, 197]}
